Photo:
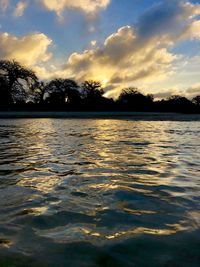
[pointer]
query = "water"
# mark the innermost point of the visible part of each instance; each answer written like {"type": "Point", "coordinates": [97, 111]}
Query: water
{"type": "Point", "coordinates": [96, 192]}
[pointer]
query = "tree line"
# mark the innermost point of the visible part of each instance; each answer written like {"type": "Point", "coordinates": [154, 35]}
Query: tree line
{"type": "Point", "coordinates": [20, 89]}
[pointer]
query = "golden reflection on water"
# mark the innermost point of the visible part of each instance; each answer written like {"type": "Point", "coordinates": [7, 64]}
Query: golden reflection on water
{"type": "Point", "coordinates": [123, 205]}
{"type": "Point", "coordinates": [73, 233]}
{"type": "Point", "coordinates": [40, 178]}
{"type": "Point", "coordinates": [106, 187]}
{"type": "Point", "coordinates": [106, 133]}
{"type": "Point", "coordinates": [103, 169]}
{"type": "Point", "coordinates": [5, 243]}
{"type": "Point", "coordinates": [150, 231]}
{"type": "Point", "coordinates": [45, 184]}
{"type": "Point", "coordinates": [33, 211]}
{"type": "Point", "coordinates": [151, 156]}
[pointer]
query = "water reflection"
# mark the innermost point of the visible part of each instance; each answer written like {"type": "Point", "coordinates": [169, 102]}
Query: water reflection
{"type": "Point", "coordinates": [100, 181]}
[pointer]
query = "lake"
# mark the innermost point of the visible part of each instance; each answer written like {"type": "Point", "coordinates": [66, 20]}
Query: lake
{"type": "Point", "coordinates": [99, 192]}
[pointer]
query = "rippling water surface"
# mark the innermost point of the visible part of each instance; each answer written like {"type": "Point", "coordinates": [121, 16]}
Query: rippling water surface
{"type": "Point", "coordinates": [96, 192]}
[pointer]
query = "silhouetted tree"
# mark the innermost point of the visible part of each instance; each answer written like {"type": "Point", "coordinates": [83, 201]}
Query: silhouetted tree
{"type": "Point", "coordinates": [92, 95]}
{"type": "Point", "coordinates": [5, 95]}
{"type": "Point", "coordinates": [72, 92]}
{"type": "Point", "coordinates": [20, 89]}
{"type": "Point", "coordinates": [35, 97]}
{"type": "Point", "coordinates": [150, 97]}
{"type": "Point", "coordinates": [12, 81]}
{"type": "Point", "coordinates": [92, 90]}
{"type": "Point", "coordinates": [61, 91]}
{"type": "Point", "coordinates": [131, 99]}
{"type": "Point", "coordinates": [176, 103]}
{"type": "Point", "coordinates": [196, 100]}
{"type": "Point", "coordinates": [178, 100]}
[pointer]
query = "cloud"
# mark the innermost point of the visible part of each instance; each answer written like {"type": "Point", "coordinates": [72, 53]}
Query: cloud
{"type": "Point", "coordinates": [190, 92]}
{"type": "Point", "coordinates": [159, 19]}
{"type": "Point", "coordinates": [20, 8]}
{"type": "Point", "coordinates": [139, 54]}
{"type": "Point", "coordinates": [193, 91]}
{"type": "Point", "coordinates": [167, 93]}
{"type": "Point", "coordinates": [124, 58]}
{"type": "Point", "coordinates": [4, 5]}
{"type": "Point", "coordinates": [86, 6]}
{"type": "Point", "coordinates": [29, 49]}
{"type": "Point", "coordinates": [192, 31]}
{"type": "Point", "coordinates": [133, 55]}
{"type": "Point", "coordinates": [93, 43]}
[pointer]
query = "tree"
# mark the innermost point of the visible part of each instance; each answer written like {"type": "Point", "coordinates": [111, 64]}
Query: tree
{"type": "Point", "coordinates": [128, 94]}
{"type": "Point", "coordinates": [132, 99]}
{"type": "Point", "coordinates": [92, 90]}
{"type": "Point", "coordinates": [61, 91]}
{"type": "Point", "coordinates": [12, 80]}
{"type": "Point", "coordinates": [196, 100]}
{"type": "Point", "coordinates": [5, 96]}
{"type": "Point", "coordinates": [36, 95]}
{"type": "Point", "coordinates": [177, 103]}
{"type": "Point", "coordinates": [178, 100]}
{"type": "Point", "coordinates": [72, 93]}
{"type": "Point", "coordinates": [92, 95]}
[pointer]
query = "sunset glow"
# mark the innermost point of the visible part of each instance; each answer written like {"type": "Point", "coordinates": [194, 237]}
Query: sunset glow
{"type": "Point", "coordinates": [153, 45]}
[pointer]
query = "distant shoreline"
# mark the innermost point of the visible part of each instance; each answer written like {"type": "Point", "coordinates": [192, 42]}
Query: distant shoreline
{"type": "Point", "coordinates": [100, 115]}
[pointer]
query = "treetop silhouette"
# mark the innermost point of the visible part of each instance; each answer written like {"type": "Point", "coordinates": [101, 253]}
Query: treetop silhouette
{"type": "Point", "coordinates": [20, 89]}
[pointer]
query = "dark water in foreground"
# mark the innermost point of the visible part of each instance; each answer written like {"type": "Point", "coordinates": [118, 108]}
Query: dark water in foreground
{"type": "Point", "coordinates": [96, 192]}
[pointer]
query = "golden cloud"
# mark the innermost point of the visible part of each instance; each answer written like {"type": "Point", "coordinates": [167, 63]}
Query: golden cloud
{"type": "Point", "coordinates": [128, 57]}
{"type": "Point", "coordinates": [29, 49]}
{"type": "Point", "coordinates": [124, 58]}
{"type": "Point", "coordinates": [87, 6]}
{"type": "Point", "coordinates": [20, 8]}
{"type": "Point", "coordinates": [192, 31]}
{"type": "Point", "coordinates": [193, 91]}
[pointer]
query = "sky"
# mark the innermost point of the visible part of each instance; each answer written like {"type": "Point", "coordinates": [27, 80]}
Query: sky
{"type": "Point", "coordinates": [151, 45]}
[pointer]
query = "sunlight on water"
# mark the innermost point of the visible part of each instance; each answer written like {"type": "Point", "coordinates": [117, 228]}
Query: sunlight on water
{"type": "Point", "coordinates": [101, 183]}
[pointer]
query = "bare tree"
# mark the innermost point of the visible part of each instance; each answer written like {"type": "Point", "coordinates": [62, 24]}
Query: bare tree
{"type": "Point", "coordinates": [13, 77]}
{"type": "Point", "coordinates": [92, 90]}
